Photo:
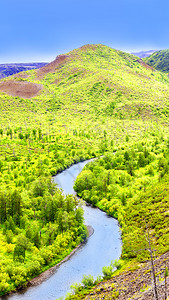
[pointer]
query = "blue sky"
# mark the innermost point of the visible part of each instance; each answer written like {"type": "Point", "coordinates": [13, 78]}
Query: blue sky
{"type": "Point", "coordinates": [39, 30]}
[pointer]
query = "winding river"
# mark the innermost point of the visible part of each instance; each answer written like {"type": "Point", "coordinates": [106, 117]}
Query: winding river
{"type": "Point", "coordinates": [98, 251]}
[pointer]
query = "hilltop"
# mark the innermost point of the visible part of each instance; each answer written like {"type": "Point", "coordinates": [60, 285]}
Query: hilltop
{"type": "Point", "coordinates": [159, 60]}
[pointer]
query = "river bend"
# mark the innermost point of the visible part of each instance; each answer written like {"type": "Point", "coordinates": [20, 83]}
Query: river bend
{"type": "Point", "coordinates": [98, 251]}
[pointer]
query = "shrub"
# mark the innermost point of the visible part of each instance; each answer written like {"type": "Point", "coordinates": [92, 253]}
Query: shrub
{"type": "Point", "coordinates": [88, 280]}
{"type": "Point", "coordinates": [116, 264]}
{"type": "Point", "coordinates": [107, 271]}
{"type": "Point", "coordinates": [34, 268]}
{"type": "Point", "coordinates": [76, 287]}
{"type": "Point", "coordinates": [4, 287]}
{"type": "Point", "coordinates": [9, 248]}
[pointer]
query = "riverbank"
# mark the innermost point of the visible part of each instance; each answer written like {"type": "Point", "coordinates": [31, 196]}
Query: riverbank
{"type": "Point", "coordinates": [46, 274]}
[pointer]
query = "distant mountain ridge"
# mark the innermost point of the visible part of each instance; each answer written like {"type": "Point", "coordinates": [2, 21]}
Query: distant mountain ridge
{"type": "Point", "coordinates": [143, 54]}
{"type": "Point", "coordinates": [10, 69]}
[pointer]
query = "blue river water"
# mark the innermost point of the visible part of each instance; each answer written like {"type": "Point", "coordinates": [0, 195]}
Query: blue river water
{"type": "Point", "coordinates": [98, 251]}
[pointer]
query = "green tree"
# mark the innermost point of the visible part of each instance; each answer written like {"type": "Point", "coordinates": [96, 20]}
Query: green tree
{"type": "Point", "coordinates": [85, 181]}
{"type": "Point", "coordinates": [126, 156]}
{"type": "Point", "coordinates": [79, 215]}
{"type": "Point", "coordinates": [36, 239]}
{"type": "Point", "coordinates": [9, 236]}
{"type": "Point", "coordinates": [130, 168]}
{"type": "Point", "coordinates": [15, 209]}
{"type": "Point", "coordinates": [141, 160]}
{"type": "Point", "coordinates": [1, 165]}
{"type": "Point", "coordinates": [88, 281]}
{"type": "Point", "coordinates": [19, 254]}
{"type": "Point", "coordinates": [11, 224]}
{"type": "Point", "coordinates": [22, 244]}
{"type": "Point", "coordinates": [3, 206]}
{"type": "Point", "coordinates": [1, 132]}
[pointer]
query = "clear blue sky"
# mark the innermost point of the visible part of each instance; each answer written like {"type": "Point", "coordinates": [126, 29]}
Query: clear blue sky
{"type": "Point", "coordinates": [39, 30]}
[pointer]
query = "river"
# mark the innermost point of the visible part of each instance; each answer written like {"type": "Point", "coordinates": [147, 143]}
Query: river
{"type": "Point", "coordinates": [98, 251]}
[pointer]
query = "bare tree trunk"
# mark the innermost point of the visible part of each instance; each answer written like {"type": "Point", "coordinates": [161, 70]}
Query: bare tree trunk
{"type": "Point", "coordinates": [165, 287]}
{"type": "Point", "coordinates": [152, 266]}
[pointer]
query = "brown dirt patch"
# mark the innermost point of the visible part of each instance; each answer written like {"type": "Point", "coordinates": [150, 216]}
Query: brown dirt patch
{"type": "Point", "coordinates": [141, 62]}
{"type": "Point", "coordinates": [52, 67]}
{"type": "Point", "coordinates": [138, 109]}
{"type": "Point", "coordinates": [61, 60]}
{"type": "Point", "coordinates": [21, 75]}
{"type": "Point", "coordinates": [57, 81]}
{"type": "Point", "coordinates": [21, 89]}
{"type": "Point", "coordinates": [87, 47]}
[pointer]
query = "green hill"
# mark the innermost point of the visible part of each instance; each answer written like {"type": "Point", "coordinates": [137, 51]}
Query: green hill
{"type": "Point", "coordinates": [89, 102]}
{"type": "Point", "coordinates": [94, 81]}
{"type": "Point", "coordinates": [159, 60]}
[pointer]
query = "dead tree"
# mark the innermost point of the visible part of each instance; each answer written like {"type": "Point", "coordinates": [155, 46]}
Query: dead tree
{"type": "Point", "coordinates": [152, 265]}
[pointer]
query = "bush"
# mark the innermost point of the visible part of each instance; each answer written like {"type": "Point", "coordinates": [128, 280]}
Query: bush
{"type": "Point", "coordinates": [9, 248]}
{"type": "Point", "coordinates": [88, 280]}
{"type": "Point", "coordinates": [19, 280]}
{"type": "Point", "coordinates": [34, 268]}
{"type": "Point", "coordinates": [116, 264]}
{"type": "Point", "coordinates": [4, 287]}
{"type": "Point", "coordinates": [19, 275]}
{"type": "Point", "coordinates": [76, 287]}
{"type": "Point", "coordinates": [107, 271]}
{"type": "Point", "coordinates": [19, 254]}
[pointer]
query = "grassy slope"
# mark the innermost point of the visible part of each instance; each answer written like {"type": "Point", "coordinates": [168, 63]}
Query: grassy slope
{"type": "Point", "coordinates": [94, 82]}
{"type": "Point", "coordinates": [159, 60]}
{"type": "Point", "coordinates": [88, 106]}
